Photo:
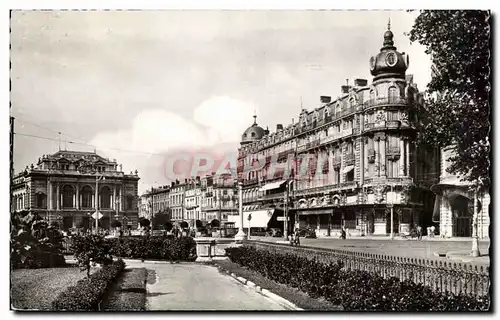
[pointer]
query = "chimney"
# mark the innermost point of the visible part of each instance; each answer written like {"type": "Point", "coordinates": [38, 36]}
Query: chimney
{"type": "Point", "coordinates": [172, 184]}
{"type": "Point", "coordinates": [345, 89]}
{"type": "Point", "coordinates": [279, 127]}
{"type": "Point", "coordinates": [177, 181]}
{"type": "Point", "coordinates": [409, 78]}
{"type": "Point", "coordinates": [186, 180]}
{"type": "Point", "coordinates": [360, 82]}
{"type": "Point", "coordinates": [325, 99]}
{"type": "Point", "coordinates": [197, 178]}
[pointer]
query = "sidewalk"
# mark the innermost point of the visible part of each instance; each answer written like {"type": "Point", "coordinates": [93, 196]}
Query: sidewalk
{"type": "Point", "coordinates": [432, 248]}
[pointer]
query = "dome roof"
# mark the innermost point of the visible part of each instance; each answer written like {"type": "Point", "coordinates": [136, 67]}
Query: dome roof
{"type": "Point", "coordinates": [389, 62]}
{"type": "Point", "coordinates": [253, 133]}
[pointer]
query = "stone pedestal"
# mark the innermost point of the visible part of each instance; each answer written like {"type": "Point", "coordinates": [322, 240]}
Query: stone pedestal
{"type": "Point", "coordinates": [208, 249]}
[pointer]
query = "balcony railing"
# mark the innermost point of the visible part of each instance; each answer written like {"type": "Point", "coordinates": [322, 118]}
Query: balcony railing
{"type": "Point", "coordinates": [349, 159]}
{"type": "Point", "coordinates": [393, 124]}
{"type": "Point", "coordinates": [272, 196]}
{"type": "Point", "coordinates": [385, 101]}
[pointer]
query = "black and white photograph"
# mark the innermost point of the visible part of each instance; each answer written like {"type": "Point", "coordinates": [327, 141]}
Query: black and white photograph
{"type": "Point", "coordinates": [250, 160]}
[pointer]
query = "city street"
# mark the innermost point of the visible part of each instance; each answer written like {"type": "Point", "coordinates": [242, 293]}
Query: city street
{"type": "Point", "coordinates": [397, 247]}
{"type": "Point", "coordinates": [188, 286]}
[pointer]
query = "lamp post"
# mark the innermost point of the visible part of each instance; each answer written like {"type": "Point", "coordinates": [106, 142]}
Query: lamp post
{"type": "Point", "coordinates": [475, 238]}
{"type": "Point", "coordinates": [241, 233]}
{"type": "Point", "coordinates": [97, 179]}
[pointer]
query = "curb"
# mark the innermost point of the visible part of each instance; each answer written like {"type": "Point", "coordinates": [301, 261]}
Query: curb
{"type": "Point", "coordinates": [249, 284]}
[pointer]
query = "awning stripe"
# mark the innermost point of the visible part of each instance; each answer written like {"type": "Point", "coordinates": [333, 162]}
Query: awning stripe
{"type": "Point", "coordinates": [347, 169]}
{"type": "Point", "coordinates": [272, 185]}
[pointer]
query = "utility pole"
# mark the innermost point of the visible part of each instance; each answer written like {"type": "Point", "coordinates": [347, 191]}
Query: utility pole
{"type": "Point", "coordinates": [11, 156]}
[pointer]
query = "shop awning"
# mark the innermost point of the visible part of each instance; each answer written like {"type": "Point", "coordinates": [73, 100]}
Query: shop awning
{"type": "Point", "coordinates": [347, 169]}
{"type": "Point", "coordinates": [314, 212]}
{"type": "Point", "coordinates": [260, 219]}
{"type": "Point", "coordinates": [272, 185]}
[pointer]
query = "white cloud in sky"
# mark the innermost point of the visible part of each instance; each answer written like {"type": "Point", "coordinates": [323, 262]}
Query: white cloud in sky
{"type": "Point", "coordinates": [215, 122]}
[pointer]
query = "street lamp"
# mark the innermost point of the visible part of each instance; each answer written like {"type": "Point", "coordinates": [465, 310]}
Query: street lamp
{"type": "Point", "coordinates": [241, 233]}
{"type": "Point", "coordinates": [90, 168]}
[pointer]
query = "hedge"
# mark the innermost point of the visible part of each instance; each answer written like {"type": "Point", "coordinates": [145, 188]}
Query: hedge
{"type": "Point", "coordinates": [154, 247]}
{"type": "Point", "coordinates": [87, 293]}
{"type": "Point", "coordinates": [353, 290]}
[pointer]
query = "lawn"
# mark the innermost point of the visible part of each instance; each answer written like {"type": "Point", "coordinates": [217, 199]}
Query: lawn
{"type": "Point", "coordinates": [35, 289]}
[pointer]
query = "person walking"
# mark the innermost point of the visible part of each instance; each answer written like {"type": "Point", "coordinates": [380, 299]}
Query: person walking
{"type": "Point", "coordinates": [297, 237]}
{"type": "Point", "coordinates": [419, 232]}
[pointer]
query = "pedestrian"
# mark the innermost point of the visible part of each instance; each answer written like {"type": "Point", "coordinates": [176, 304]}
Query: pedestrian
{"type": "Point", "coordinates": [297, 237]}
{"type": "Point", "coordinates": [419, 232]}
{"type": "Point", "coordinates": [342, 233]}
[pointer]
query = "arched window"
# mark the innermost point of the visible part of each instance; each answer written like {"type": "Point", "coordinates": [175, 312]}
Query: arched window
{"type": "Point", "coordinates": [86, 197]}
{"type": "Point", "coordinates": [41, 200]}
{"type": "Point", "coordinates": [68, 192]}
{"type": "Point", "coordinates": [393, 94]}
{"type": "Point", "coordinates": [105, 198]}
{"type": "Point", "coordinates": [130, 202]}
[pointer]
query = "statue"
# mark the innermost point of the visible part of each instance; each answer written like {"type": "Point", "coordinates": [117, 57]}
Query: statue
{"type": "Point", "coordinates": [120, 167]}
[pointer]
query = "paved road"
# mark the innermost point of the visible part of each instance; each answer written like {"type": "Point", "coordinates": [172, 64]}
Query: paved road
{"type": "Point", "coordinates": [190, 286]}
{"type": "Point", "coordinates": [404, 248]}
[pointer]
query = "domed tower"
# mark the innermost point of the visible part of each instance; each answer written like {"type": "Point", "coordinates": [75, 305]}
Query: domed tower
{"type": "Point", "coordinates": [389, 63]}
{"type": "Point", "coordinates": [253, 133]}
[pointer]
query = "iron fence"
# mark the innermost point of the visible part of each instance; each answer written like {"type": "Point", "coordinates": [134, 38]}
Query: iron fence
{"type": "Point", "coordinates": [440, 276]}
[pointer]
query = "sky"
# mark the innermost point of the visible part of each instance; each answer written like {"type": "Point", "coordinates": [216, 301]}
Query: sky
{"type": "Point", "coordinates": [143, 85]}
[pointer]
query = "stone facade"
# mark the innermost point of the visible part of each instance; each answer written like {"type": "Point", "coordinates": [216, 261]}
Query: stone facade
{"type": "Point", "coordinates": [218, 197]}
{"type": "Point", "coordinates": [349, 162]}
{"type": "Point", "coordinates": [62, 188]}
{"type": "Point", "coordinates": [454, 207]}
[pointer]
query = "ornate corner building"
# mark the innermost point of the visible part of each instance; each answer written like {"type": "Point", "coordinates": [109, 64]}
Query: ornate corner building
{"type": "Point", "coordinates": [62, 188]}
{"type": "Point", "coordinates": [348, 163]}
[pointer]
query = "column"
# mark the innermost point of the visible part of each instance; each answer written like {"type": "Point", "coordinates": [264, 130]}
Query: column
{"type": "Point", "coordinates": [362, 160]}
{"type": "Point", "coordinates": [77, 196]}
{"type": "Point", "coordinates": [365, 158]}
{"type": "Point", "coordinates": [377, 155]}
{"type": "Point", "coordinates": [58, 197]}
{"type": "Point", "coordinates": [114, 204]}
{"type": "Point", "coordinates": [121, 198]}
{"type": "Point", "coordinates": [402, 157]}
{"type": "Point", "coordinates": [407, 143]}
{"type": "Point", "coordinates": [93, 199]}
{"type": "Point", "coordinates": [382, 156]}
{"type": "Point", "coordinates": [342, 161]}
{"type": "Point", "coordinates": [50, 204]}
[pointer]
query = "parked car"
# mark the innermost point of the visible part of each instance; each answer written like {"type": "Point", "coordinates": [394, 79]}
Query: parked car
{"type": "Point", "coordinates": [274, 232]}
{"type": "Point", "coordinates": [307, 233]}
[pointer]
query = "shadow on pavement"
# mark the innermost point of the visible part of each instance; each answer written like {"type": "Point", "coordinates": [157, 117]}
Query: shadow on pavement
{"type": "Point", "coordinates": [156, 294]}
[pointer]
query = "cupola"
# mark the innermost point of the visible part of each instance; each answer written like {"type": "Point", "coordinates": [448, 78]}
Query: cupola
{"type": "Point", "coordinates": [389, 63]}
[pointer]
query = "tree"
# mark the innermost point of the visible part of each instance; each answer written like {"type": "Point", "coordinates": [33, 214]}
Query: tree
{"type": "Point", "coordinates": [456, 111]}
{"type": "Point", "coordinates": [143, 222]}
{"type": "Point", "coordinates": [116, 224]}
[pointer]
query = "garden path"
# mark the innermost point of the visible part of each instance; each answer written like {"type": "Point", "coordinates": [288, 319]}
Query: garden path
{"type": "Point", "coordinates": [191, 286]}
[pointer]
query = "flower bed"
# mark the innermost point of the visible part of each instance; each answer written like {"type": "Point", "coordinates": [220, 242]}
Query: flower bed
{"type": "Point", "coordinates": [157, 248]}
{"type": "Point", "coordinates": [354, 290]}
{"type": "Point", "coordinates": [87, 293]}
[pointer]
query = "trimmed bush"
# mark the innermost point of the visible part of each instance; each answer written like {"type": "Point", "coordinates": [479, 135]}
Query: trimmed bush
{"type": "Point", "coordinates": [154, 247]}
{"type": "Point", "coordinates": [87, 293]}
{"type": "Point", "coordinates": [353, 290]}
{"type": "Point", "coordinates": [91, 250]}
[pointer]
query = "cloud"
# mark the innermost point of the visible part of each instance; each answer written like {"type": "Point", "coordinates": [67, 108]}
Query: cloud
{"type": "Point", "coordinates": [216, 126]}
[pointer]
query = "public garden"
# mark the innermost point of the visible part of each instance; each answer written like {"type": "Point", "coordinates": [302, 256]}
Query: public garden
{"type": "Point", "coordinates": [149, 272]}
